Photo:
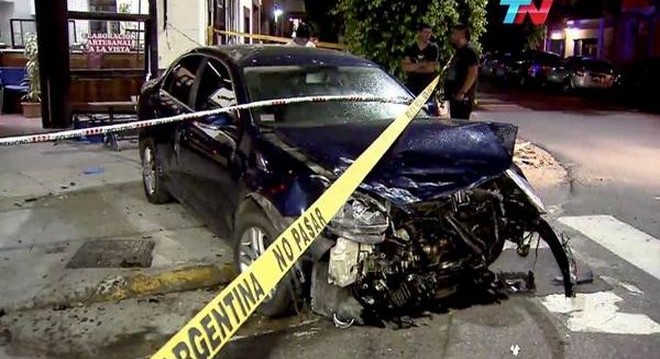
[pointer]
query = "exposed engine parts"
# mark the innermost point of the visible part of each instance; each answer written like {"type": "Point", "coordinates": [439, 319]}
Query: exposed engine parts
{"type": "Point", "coordinates": [429, 248]}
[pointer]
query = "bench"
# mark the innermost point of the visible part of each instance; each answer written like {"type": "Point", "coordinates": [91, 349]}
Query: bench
{"type": "Point", "coordinates": [104, 113]}
{"type": "Point", "coordinates": [14, 81]}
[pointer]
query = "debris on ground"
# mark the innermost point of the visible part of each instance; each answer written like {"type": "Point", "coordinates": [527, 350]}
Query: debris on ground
{"type": "Point", "coordinates": [515, 350]}
{"type": "Point", "coordinates": [527, 154]}
{"type": "Point", "coordinates": [108, 284]}
{"type": "Point", "coordinates": [540, 168]}
{"type": "Point", "coordinates": [583, 277]}
{"type": "Point", "coordinates": [62, 306]}
{"type": "Point", "coordinates": [518, 282]}
{"type": "Point", "coordinates": [93, 170]}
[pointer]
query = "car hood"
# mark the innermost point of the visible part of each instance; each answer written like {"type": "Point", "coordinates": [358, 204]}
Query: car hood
{"type": "Point", "coordinates": [431, 159]}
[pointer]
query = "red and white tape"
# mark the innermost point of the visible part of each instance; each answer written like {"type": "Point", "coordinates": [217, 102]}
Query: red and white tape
{"type": "Point", "coordinates": [68, 134]}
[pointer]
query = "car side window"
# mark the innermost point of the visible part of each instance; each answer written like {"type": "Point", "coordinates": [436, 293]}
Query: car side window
{"type": "Point", "coordinates": [216, 89]}
{"type": "Point", "coordinates": [180, 81]}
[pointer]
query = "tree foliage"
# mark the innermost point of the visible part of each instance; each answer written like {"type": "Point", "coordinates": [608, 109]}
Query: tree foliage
{"type": "Point", "coordinates": [535, 37]}
{"type": "Point", "coordinates": [381, 29]}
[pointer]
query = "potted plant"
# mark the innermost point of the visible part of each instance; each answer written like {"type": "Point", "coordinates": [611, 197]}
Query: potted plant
{"type": "Point", "coordinates": [31, 101]}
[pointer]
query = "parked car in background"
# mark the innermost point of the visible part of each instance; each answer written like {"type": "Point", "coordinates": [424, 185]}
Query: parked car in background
{"type": "Point", "coordinates": [531, 67]}
{"type": "Point", "coordinates": [494, 64]}
{"type": "Point", "coordinates": [638, 86]}
{"type": "Point", "coordinates": [503, 67]}
{"type": "Point", "coordinates": [582, 73]}
{"type": "Point", "coordinates": [486, 65]}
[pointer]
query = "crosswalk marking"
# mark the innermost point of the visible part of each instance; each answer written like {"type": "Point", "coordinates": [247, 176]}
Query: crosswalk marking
{"type": "Point", "coordinates": [627, 242]}
{"type": "Point", "coordinates": [598, 313]}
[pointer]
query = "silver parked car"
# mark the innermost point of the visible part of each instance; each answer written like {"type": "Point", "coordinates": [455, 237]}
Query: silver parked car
{"type": "Point", "coordinates": [577, 72]}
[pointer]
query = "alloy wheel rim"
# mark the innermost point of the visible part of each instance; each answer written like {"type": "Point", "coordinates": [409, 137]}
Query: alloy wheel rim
{"type": "Point", "coordinates": [253, 245]}
{"type": "Point", "coordinates": [149, 170]}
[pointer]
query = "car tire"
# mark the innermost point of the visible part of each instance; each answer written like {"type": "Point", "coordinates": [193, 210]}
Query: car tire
{"type": "Point", "coordinates": [569, 87]}
{"type": "Point", "coordinates": [253, 225]}
{"type": "Point", "coordinates": [153, 180]}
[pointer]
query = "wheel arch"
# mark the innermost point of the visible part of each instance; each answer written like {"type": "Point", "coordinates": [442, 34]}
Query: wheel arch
{"type": "Point", "coordinates": [319, 247]}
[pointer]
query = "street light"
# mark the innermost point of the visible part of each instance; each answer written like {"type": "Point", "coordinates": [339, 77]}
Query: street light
{"type": "Point", "coordinates": [278, 12]}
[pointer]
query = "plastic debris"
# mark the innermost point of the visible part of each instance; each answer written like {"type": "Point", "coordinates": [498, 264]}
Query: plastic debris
{"type": "Point", "coordinates": [111, 282]}
{"type": "Point", "coordinates": [582, 277]}
{"type": "Point", "coordinates": [515, 350]}
{"type": "Point", "coordinates": [341, 324]}
{"type": "Point", "coordinates": [93, 170]}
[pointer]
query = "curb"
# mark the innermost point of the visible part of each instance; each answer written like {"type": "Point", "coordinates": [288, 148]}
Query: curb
{"type": "Point", "coordinates": [120, 285]}
{"type": "Point", "coordinates": [116, 288]}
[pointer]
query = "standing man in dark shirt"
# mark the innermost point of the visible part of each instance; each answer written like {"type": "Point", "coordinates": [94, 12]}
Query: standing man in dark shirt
{"type": "Point", "coordinates": [462, 71]}
{"type": "Point", "coordinates": [421, 60]}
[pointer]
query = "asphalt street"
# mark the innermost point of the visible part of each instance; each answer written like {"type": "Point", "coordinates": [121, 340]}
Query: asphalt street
{"type": "Point", "coordinates": [612, 155]}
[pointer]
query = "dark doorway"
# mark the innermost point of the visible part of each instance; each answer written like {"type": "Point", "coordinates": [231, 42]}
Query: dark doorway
{"type": "Point", "coordinates": [246, 23]}
{"type": "Point", "coordinates": [220, 19]}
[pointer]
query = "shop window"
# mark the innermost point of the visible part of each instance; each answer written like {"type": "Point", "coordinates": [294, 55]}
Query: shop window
{"type": "Point", "coordinates": [586, 47]}
{"type": "Point", "coordinates": [557, 46]}
{"type": "Point", "coordinates": [102, 26]}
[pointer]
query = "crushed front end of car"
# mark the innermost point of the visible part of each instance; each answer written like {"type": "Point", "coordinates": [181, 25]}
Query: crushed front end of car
{"type": "Point", "coordinates": [437, 211]}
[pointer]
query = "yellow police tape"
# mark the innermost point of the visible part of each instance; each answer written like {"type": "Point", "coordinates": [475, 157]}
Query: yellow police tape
{"type": "Point", "coordinates": [210, 329]}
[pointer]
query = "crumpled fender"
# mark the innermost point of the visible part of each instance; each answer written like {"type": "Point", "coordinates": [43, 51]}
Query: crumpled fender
{"type": "Point", "coordinates": [550, 237]}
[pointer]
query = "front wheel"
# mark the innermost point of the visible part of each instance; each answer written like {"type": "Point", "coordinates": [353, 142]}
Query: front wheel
{"type": "Point", "coordinates": [253, 234]}
{"type": "Point", "coordinates": [152, 173]}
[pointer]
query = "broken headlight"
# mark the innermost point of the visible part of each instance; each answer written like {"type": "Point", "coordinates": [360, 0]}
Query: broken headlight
{"type": "Point", "coordinates": [362, 220]}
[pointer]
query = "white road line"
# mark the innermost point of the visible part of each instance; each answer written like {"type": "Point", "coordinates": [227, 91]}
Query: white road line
{"type": "Point", "coordinates": [598, 313]}
{"type": "Point", "coordinates": [627, 242]}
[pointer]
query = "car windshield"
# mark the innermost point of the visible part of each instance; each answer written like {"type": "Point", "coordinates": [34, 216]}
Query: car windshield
{"type": "Point", "coordinates": [276, 82]}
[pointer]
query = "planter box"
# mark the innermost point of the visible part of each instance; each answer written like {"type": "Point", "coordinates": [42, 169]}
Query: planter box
{"type": "Point", "coordinates": [31, 109]}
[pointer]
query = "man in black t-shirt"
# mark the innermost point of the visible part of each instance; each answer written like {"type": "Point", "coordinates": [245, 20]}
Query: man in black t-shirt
{"type": "Point", "coordinates": [420, 61]}
{"type": "Point", "coordinates": [462, 72]}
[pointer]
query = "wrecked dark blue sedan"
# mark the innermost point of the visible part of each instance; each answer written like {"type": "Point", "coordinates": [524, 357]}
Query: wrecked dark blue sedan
{"type": "Point", "coordinates": [436, 209]}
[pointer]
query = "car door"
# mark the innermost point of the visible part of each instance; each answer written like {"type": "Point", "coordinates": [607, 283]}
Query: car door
{"type": "Point", "coordinates": [210, 147]}
{"type": "Point", "coordinates": [175, 98]}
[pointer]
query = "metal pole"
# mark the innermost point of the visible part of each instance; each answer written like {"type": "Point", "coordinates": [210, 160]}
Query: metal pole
{"type": "Point", "coordinates": [53, 41]}
{"type": "Point", "coordinates": [153, 37]}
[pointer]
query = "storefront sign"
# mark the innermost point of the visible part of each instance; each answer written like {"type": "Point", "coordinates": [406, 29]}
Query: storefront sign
{"type": "Point", "coordinates": [110, 43]}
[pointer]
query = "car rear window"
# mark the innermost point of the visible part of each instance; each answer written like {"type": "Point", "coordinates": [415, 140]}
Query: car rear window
{"type": "Point", "coordinates": [597, 65]}
{"type": "Point", "coordinates": [549, 59]}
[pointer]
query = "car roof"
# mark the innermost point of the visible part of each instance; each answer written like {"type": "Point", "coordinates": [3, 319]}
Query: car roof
{"type": "Point", "coordinates": [280, 55]}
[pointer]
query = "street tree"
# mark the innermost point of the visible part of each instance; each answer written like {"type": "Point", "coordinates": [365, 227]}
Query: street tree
{"type": "Point", "coordinates": [381, 29]}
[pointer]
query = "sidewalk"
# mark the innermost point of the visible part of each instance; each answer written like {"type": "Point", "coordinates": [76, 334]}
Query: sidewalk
{"type": "Point", "coordinates": [75, 227]}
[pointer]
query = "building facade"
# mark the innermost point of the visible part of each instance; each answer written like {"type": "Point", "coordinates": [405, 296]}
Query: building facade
{"type": "Point", "coordinates": [182, 24]}
{"type": "Point", "coordinates": [625, 37]}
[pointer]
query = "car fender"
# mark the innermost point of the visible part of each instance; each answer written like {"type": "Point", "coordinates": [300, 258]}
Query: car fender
{"type": "Point", "coordinates": [319, 247]}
